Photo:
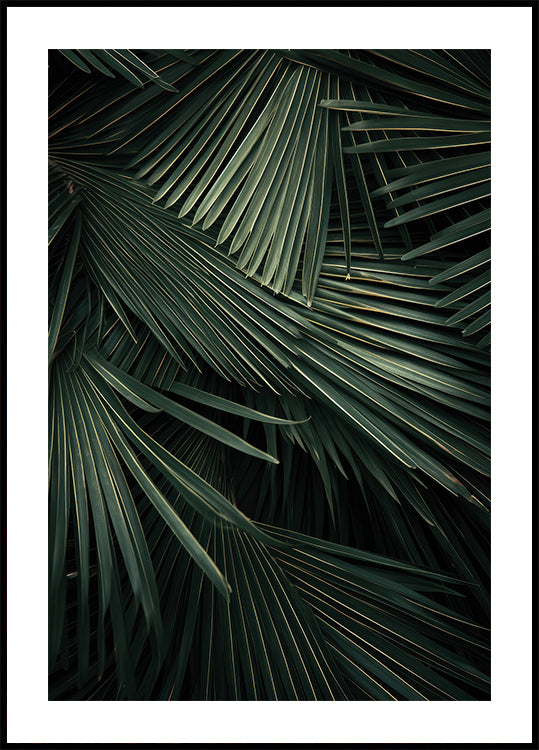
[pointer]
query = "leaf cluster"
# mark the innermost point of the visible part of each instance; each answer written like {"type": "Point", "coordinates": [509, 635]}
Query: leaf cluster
{"type": "Point", "coordinates": [269, 312]}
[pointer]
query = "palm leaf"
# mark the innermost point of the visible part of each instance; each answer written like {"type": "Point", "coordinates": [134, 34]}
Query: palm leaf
{"type": "Point", "coordinates": [122, 61]}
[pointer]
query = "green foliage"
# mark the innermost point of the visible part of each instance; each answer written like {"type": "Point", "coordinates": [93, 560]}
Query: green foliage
{"type": "Point", "coordinates": [269, 375]}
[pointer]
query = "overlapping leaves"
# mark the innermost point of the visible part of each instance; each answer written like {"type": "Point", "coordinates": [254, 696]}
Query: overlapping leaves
{"type": "Point", "coordinates": [289, 360]}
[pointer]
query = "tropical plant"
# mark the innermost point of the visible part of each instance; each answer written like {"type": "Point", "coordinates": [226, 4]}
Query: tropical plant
{"type": "Point", "coordinates": [269, 374]}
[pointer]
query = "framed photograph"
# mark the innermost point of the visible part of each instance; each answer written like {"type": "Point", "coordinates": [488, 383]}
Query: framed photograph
{"type": "Point", "coordinates": [283, 413]}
